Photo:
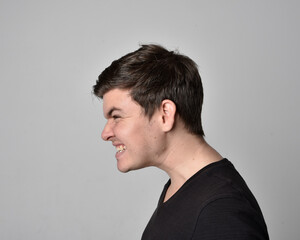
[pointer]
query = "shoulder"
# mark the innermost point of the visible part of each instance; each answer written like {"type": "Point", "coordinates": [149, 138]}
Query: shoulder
{"type": "Point", "coordinates": [226, 207]}
{"type": "Point", "coordinates": [230, 217]}
{"type": "Point", "coordinates": [216, 181]}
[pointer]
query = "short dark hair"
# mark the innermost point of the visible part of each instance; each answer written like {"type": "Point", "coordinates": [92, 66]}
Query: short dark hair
{"type": "Point", "coordinates": [153, 74]}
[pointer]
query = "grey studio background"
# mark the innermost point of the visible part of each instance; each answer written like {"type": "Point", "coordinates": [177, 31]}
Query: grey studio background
{"type": "Point", "coordinates": [58, 179]}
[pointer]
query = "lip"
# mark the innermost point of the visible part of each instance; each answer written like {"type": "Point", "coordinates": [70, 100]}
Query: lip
{"type": "Point", "coordinates": [118, 144]}
{"type": "Point", "coordinates": [119, 154]}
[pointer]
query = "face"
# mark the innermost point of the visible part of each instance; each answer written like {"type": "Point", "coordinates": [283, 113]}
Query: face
{"type": "Point", "coordinates": [138, 140]}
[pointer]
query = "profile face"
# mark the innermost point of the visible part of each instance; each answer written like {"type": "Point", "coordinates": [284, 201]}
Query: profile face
{"type": "Point", "coordinates": [136, 138]}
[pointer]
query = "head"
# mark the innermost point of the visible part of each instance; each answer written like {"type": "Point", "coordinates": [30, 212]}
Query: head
{"type": "Point", "coordinates": [153, 74]}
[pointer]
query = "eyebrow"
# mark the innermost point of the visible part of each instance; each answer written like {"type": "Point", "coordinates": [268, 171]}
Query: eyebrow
{"type": "Point", "coordinates": [109, 113]}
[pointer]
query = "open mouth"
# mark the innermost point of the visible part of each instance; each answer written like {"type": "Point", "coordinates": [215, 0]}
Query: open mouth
{"type": "Point", "coordinates": [120, 148]}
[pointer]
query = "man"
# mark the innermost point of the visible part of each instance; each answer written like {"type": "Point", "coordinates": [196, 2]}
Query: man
{"type": "Point", "coordinates": [152, 100]}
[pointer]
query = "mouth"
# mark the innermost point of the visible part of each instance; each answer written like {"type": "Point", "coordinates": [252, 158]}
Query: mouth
{"type": "Point", "coordinates": [120, 148]}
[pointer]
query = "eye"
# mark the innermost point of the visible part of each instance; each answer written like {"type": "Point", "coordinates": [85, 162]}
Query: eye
{"type": "Point", "coordinates": [116, 116]}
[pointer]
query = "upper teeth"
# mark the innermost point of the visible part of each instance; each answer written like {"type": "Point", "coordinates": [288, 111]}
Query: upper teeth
{"type": "Point", "coordinates": [121, 148]}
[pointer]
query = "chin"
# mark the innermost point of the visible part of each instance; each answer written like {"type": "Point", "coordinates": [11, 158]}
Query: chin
{"type": "Point", "coordinates": [127, 168]}
{"type": "Point", "coordinates": [123, 168]}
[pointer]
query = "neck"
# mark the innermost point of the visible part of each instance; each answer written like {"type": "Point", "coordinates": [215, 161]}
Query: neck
{"type": "Point", "coordinates": [186, 155]}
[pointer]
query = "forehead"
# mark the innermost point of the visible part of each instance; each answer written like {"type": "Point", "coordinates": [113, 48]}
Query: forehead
{"type": "Point", "coordinates": [119, 100]}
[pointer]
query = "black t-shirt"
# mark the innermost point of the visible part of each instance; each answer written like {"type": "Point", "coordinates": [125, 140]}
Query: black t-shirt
{"type": "Point", "coordinates": [215, 203]}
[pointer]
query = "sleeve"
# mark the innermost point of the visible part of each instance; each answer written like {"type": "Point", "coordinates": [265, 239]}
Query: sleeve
{"type": "Point", "coordinates": [230, 219]}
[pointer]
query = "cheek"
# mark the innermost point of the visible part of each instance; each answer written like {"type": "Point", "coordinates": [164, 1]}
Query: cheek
{"type": "Point", "coordinates": [155, 139]}
{"type": "Point", "coordinates": [130, 133]}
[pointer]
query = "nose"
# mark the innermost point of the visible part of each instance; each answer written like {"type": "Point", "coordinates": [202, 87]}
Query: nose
{"type": "Point", "coordinates": [107, 132]}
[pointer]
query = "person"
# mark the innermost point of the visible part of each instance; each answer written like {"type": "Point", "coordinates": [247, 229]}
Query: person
{"type": "Point", "coordinates": [152, 100]}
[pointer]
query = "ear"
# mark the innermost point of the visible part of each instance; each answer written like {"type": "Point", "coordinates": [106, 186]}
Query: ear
{"type": "Point", "coordinates": [167, 114]}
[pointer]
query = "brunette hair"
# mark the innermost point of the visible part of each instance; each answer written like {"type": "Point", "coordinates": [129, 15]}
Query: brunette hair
{"type": "Point", "coordinates": [153, 74]}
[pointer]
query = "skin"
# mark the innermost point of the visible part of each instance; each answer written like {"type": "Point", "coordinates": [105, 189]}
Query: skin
{"type": "Point", "coordinates": [127, 125]}
{"type": "Point", "coordinates": [161, 141]}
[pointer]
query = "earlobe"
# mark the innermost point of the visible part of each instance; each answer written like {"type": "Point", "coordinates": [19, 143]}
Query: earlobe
{"type": "Point", "coordinates": [168, 113]}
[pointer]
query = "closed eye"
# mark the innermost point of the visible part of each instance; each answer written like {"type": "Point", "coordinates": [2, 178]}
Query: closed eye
{"type": "Point", "coordinates": [115, 116]}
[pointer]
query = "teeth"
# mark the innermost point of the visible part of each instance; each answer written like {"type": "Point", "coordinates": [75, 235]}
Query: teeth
{"type": "Point", "coordinates": [121, 148]}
